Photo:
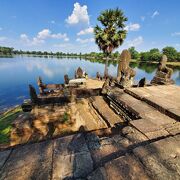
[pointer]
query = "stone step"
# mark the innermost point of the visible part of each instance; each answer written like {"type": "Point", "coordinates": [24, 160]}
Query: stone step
{"type": "Point", "coordinates": [164, 98]}
{"type": "Point", "coordinates": [89, 119]}
{"type": "Point", "coordinates": [144, 110]}
{"type": "Point", "coordinates": [106, 112]}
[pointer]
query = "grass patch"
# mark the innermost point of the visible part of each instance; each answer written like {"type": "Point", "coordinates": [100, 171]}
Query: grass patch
{"type": "Point", "coordinates": [6, 120]}
{"type": "Point", "coordinates": [65, 117]}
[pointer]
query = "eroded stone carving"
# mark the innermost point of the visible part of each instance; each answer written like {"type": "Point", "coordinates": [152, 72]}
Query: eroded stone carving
{"type": "Point", "coordinates": [163, 73]}
{"type": "Point", "coordinates": [79, 73]}
{"type": "Point", "coordinates": [105, 86]}
{"type": "Point", "coordinates": [98, 76]}
{"type": "Point", "coordinates": [41, 85]}
{"type": "Point", "coordinates": [66, 79]}
{"type": "Point", "coordinates": [142, 82]}
{"type": "Point", "coordinates": [33, 95]}
{"type": "Point", "coordinates": [125, 74]}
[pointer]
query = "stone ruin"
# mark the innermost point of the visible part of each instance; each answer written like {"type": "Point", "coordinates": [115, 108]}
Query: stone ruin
{"type": "Point", "coordinates": [79, 73]}
{"type": "Point", "coordinates": [125, 74]}
{"type": "Point", "coordinates": [98, 76]}
{"type": "Point", "coordinates": [41, 86]}
{"type": "Point", "coordinates": [33, 95]}
{"type": "Point", "coordinates": [66, 79]}
{"type": "Point", "coordinates": [142, 82]}
{"type": "Point", "coordinates": [163, 73]}
{"type": "Point", "coordinates": [105, 87]}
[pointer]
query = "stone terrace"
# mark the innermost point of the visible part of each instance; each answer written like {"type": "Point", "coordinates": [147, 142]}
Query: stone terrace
{"type": "Point", "coordinates": [145, 148]}
{"type": "Point", "coordinates": [116, 153]}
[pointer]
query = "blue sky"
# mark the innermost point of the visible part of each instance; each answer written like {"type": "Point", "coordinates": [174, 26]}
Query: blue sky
{"type": "Point", "coordinates": [66, 25]}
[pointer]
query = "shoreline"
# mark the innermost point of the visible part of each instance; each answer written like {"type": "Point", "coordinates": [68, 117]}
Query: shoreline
{"type": "Point", "coordinates": [171, 64]}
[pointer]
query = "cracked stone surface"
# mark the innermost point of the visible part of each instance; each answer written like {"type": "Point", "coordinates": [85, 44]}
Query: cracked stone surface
{"type": "Point", "coordinates": [127, 154]}
{"type": "Point", "coordinates": [147, 148]}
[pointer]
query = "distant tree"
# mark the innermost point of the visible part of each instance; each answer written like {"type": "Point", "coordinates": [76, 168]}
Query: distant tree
{"type": "Point", "coordinates": [111, 34]}
{"type": "Point", "coordinates": [178, 56]}
{"type": "Point", "coordinates": [134, 53]}
{"type": "Point", "coordinates": [154, 54]}
{"type": "Point", "coordinates": [170, 52]}
{"type": "Point", "coordinates": [144, 56]}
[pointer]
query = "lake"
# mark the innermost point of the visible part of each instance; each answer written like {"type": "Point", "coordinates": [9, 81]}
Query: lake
{"type": "Point", "coordinates": [18, 72]}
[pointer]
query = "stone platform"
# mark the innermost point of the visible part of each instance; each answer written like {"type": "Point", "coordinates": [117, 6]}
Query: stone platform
{"type": "Point", "coordinates": [109, 154]}
{"type": "Point", "coordinates": [164, 98]}
{"type": "Point", "coordinates": [147, 147]}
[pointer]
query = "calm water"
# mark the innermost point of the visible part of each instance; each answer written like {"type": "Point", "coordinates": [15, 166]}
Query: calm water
{"type": "Point", "coordinates": [17, 72]}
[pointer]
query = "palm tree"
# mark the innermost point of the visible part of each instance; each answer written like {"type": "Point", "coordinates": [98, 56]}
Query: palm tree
{"type": "Point", "coordinates": [112, 33]}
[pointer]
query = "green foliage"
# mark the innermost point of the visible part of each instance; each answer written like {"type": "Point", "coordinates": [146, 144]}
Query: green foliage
{"type": "Point", "coordinates": [111, 34]}
{"type": "Point", "coordinates": [171, 53]}
{"type": "Point", "coordinates": [134, 53]}
{"type": "Point", "coordinates": [154, 50]}
{"type": "Point", "coordinates": [65, 117]}
{"type": "Point", "coordinates": [6, 51]}
{"type": "Point", "coordinates": [144, 56]}
{"type": "Point", "coordinates": [152, 55]}
{"type": "Point", "coordinates": [178, 56]}
{"type": "Point", "coordinates": [6, 120]}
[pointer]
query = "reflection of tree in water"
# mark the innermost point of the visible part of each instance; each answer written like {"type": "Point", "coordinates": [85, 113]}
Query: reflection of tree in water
{"type": "Point", "coordinates": [133, 64]}
{"type": "Point", "coordinates": [114, 63]}
{"type": "Point", "coordinates": [147, 67]}
{"type": "Point", "coordinates": [103, 61]}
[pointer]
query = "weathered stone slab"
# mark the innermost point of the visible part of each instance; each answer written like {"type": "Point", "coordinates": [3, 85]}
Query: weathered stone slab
{"type": "Point", "coordinates": [142, 108]}
{"type": "Point", "coordinates": [157, 134]}
{"type": "Point", "coordinates": [174, 128]}
{"type": "Point", "coordinates": [3, 157]}
{"type": "Point", "coordinates": [31, 161]}
{"type": "Point", "coordinates": [98, 174]}
{"type": "Point", "coordinates": [104, 148]}
{"type": "Point", "coordinates": [71, 158]}
{"type": "Point", "coordinates": [70, 144]}
{"type": "Point", "coordinates": [145, 125]}
{"type": "Point", "coordinates": [125, 167]}
{"type": "Point", "coordinates": [74, 165]}
{"type": "Point", "coordinates": [133, 135]}
{"type": "Point", "coordinates": [160, 158]}
{"type": "Point", "coordinates": [105, 111]}
{"type": "Point", "coordinates": [165, 98]}
{"type": "Point", "coordinates": [105, 152]}
{"type": "Point", "coordinates": [89, 117]}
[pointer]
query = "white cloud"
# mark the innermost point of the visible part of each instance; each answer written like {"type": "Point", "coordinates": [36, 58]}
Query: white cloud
{"type": "Point", "coordinates": [135, 42]}
{"type": "Point", "coordinates": [24, 38]}
{"type": "Point", "coordinates": [79, 14]}
{"type": "Point", "coordinates": [85, 40]}
{"type": "Point", "coordinates": [85, 31]}
{"type": "Point", "coordinates": [175, 34]}
{"type": "Point", "coordinates": [156, 13]}
{"type": "Point", "coordinates": [46, 33]}
{"type": "Point", "coordinates": [143, 18]}
{"type": "Point", "coordinates": [35, 41]}
{"type": "Point", "coordinates": [133, 27]}
{"type": "Point", "coordinates": [41, 36]}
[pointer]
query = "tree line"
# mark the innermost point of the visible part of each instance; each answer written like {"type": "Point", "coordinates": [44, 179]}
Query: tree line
{"type": "Point", "coordinates": [155, 54]}
{"type": "Point", "coordinates": [152, 55]}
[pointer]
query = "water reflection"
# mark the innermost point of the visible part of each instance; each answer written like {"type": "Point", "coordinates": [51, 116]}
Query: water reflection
{"type": "Point", "coordinates": [17, 72]}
